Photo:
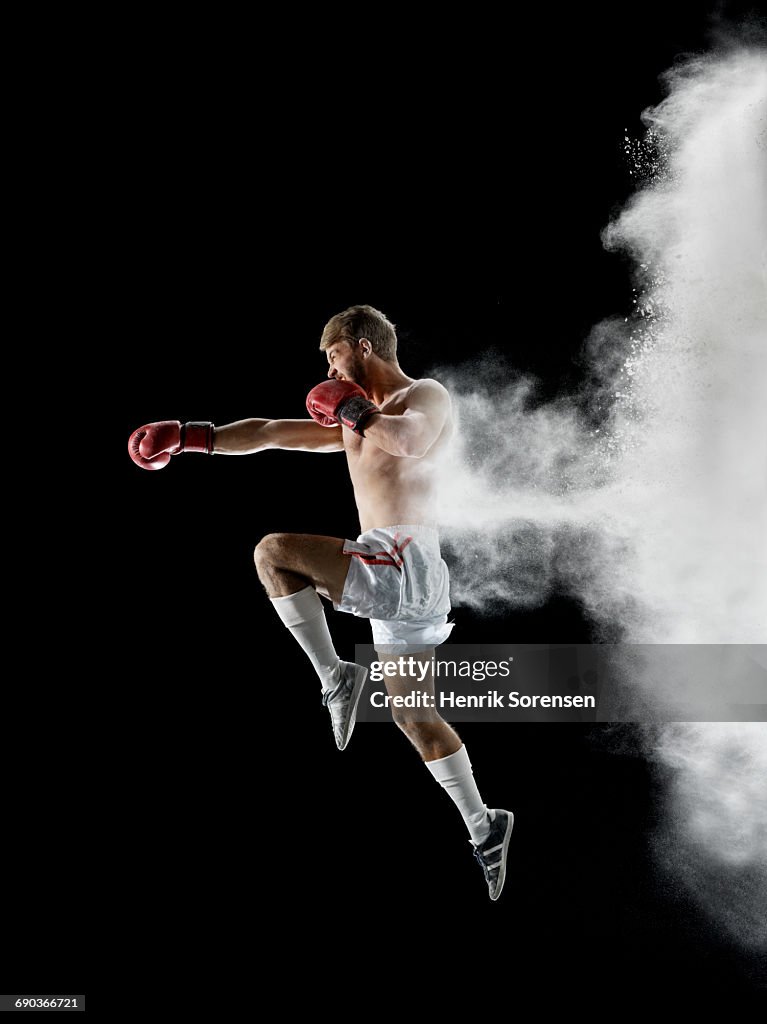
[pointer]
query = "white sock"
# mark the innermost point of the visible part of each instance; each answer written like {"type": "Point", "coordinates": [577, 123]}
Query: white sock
{"type": "Point", "coordinates": [454, 774]}
{"type": "Point", "coordinates": [304, 616]}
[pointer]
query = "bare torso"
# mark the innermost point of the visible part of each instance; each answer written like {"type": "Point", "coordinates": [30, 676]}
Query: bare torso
{"type": "Point", "coordinates": [390, 489]}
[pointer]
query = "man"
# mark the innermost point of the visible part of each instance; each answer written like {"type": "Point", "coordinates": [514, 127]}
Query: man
{"type": "Point", "coordinates": [394, 431]}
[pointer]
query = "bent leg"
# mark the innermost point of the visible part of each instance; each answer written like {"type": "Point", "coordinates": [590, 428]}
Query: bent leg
{"type": "Point", "coordinates": [294, 568]}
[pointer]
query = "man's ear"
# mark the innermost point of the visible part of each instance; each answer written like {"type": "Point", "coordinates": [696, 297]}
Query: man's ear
{"type": "Point", "coordinates": [367, 348]}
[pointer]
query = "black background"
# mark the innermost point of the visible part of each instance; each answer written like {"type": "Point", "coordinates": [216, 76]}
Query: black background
{"type": "Point", "coordinates": [456, 177]}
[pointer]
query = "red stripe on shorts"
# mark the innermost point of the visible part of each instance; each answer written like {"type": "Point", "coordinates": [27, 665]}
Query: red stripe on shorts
{"type": "Point", "coordinates": [373, 560]}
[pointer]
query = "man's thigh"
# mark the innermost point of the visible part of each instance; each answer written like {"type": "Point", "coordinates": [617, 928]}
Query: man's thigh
{"type": "Point", "coordinates": [321, 559]}
{"type": "Point", "coordinates": [417, 678]}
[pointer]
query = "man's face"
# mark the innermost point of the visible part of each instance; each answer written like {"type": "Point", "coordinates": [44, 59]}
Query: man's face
{"type": "Point", "coordinates": [345, 362]}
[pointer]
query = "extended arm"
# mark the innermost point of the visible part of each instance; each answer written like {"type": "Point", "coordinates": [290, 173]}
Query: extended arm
{"type": "Point", "coordinates": [413, 432]}
{"type": "Point", "coordinates": [152, 445]}
{"type": "Point", "coordinates": [248, 436]}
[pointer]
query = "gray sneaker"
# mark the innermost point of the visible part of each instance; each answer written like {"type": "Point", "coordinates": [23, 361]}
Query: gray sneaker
{"type": "Point", "coordinates": [342, 702]}
{"type": "Point", "coordinates": [492, 853]}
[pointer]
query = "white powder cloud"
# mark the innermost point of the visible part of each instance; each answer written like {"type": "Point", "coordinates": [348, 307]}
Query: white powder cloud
{"type": "Point", "coordinates": [645, 496]}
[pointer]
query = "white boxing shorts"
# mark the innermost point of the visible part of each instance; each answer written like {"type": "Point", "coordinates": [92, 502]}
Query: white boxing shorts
{"type": "Point", "coordinates": [398, 579]}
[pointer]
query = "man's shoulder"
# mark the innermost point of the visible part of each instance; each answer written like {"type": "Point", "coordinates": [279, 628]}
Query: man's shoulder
{"type": "Point", "coordinates": [428, 388]}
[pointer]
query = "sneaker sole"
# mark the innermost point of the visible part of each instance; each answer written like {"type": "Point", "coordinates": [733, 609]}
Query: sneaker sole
{"type": "Point", "coordinates": [359, 682]}
{"type": "Point", "coordinates": [504, 853]}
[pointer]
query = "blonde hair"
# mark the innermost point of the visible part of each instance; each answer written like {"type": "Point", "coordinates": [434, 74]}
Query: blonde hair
{"type": "Point", "coordinates": [362, 322]}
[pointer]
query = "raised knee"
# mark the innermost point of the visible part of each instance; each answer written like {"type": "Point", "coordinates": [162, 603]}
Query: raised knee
{"type": "Point", "coordinates": [269, 548]}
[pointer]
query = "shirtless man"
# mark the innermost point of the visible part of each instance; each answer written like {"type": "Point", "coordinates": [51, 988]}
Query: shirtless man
{"type": "Point", "coordinates": [394, 430]}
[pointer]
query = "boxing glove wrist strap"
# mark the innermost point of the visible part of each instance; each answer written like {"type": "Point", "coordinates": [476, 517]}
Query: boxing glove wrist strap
{"type": "Point", "coordinates": [354, 413]}
{"type": "Point", "coordinates": [197, 437]}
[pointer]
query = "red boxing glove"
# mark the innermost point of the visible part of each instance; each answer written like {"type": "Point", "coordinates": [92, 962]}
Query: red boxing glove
{"type": "Point", "coordinates": [340, 401]}
{"type": "Point", "coordinates": [151, 446]}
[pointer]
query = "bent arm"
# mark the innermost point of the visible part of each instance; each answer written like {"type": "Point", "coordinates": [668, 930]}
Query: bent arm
{"type": "Point", "coordinates": [245, 437]}
{"type": "Point", "coordinates": [413, 432]}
